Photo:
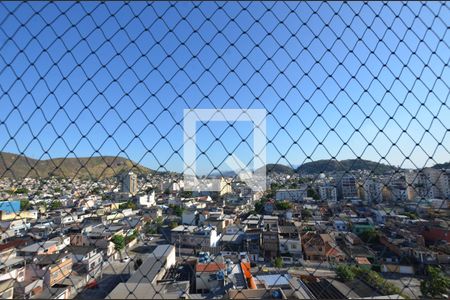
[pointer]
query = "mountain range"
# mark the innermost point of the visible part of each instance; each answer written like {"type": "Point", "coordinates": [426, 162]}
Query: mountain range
{"type": "Point", "coordinates": [20, 166]}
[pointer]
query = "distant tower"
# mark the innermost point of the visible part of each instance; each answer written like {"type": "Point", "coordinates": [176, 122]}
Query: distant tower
{"type": "Point", "coordinates": [130, 184]}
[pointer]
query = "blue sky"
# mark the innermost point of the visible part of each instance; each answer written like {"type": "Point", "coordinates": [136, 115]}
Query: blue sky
{"type": "Point", "coordinates": [113, 79]}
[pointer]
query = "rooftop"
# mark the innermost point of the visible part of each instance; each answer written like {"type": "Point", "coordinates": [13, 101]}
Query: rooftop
{"type": "Point", "coordinates": [209, 267]}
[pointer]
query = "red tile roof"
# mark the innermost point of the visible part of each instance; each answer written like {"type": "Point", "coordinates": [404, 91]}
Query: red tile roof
{"type": "Point", "coordinates": [209, 267]}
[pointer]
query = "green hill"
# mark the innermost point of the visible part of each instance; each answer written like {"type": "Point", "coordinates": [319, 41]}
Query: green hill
{"type": "Point", "coordinates": [330, 165]}
{"type": "Point", "coordinates": [19, 166]}
{"type": "Point", "coordinates": [276, 168]}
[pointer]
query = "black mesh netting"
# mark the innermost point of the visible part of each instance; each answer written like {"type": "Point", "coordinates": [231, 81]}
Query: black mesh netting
{"type": "Point", "coordinates": [224, 150]}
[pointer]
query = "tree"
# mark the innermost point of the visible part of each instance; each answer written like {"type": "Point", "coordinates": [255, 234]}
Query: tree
{"type": "Point", "coordinates": [55, 204]}
{"type": "Point", "coordinates": [283, 205]}
{"type": "Point", "coordinates": [173, 224]}
{"type": "Point", "coordinates": [134, 235]}
{"type": "Point", "coordinates": [159, 220]}
{"type": "Point", "coordinates": [411, 215]}
{"type": "Point", "coordinates": [128, 204]}
{"type": "Point", "coordinates": [345, 273]}
{"type": "Point", "coordinates": [436, 283]}
{"type": "Point", "coordinates": [186, 194]}
{"type": "Point", "coordinates": [278, 263]}
{"type": "Point", "coordinates": [313, 194]}
{"type": "Point", "coordinates": [25, 204]}
{"type": "Point", "coordinates": [177, 210]}
{"type": "Point", "coordinates": [369, 236]}
{"type": "Point", "coordinates": [306, 213]}
{"type": "Point", "coordinates": [21, 191]}
{"type": "Point", "coordinates": [259, 206]}
{"type": "Point", "coordinates": [118, 241]}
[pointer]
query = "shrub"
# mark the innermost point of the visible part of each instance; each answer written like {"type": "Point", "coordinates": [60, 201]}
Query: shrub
{"type": "Point", "coordinates": [436, 284]}
{"type": "Point", "coordinates": [345, 273]}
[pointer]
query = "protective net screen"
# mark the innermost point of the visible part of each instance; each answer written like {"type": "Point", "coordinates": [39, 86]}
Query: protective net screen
{"type": "Point", "coordinates": [235, 150]}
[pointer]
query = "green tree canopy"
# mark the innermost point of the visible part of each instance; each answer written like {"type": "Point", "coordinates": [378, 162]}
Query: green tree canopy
{"type": "Point", "coordinates": [55, 204]}
{"type": "Point", "coordinates": [345, 273]}
{"type": "Point", "coordinates": [118, 241]}
{"type": "Point", "coordinates": [278, 263]}
{"type": "Point", "coordinates": [436, 284]}
{"type": "Point", "coordinates": [283, 205]}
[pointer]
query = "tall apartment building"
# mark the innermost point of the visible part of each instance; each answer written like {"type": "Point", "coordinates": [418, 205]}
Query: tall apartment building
{"type": "Point", "coordinates": [130, 183]}
{"type": "Point", "coordinates": [427, 183]}
{"type": "Point", "coordinates": [348, 187]}
{"type": "Point", "coordinates": [373, 191]}
{"type": "Point", "coordinates": [444, 184]}
{"type": "Point", "coordinates": [328, 193]}
{"type": "Point", "coordinates": [397, 191]}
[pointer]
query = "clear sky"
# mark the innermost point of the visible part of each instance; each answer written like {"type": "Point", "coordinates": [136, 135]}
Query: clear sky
{"type": "Point", "coordinates": [90, 78]}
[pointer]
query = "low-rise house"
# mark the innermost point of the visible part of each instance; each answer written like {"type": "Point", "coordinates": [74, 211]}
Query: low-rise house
{"type": "Point", "coordinates": [145, 282]}
{"type": "Point", "coordinates": [15, 227]}
{"type": "Point", "coordinates": [252, 222]}
{"type": "Point", "coordinates": [340, 225]}
{"type": "Point", "coordinates": [47, 247]}
{"type": "Point", "coordinates": [270, 244]}
{"type": "Point", "coordinates": [87, 260]}
{"type": "Point", "coordinates": [153, 213]}
{"type": "Point", "coordinates": [209, 276]}
{"type": "Point", "coordinates": [7, 289]}
{"type": "Point", "coordinates": [289, 241]}
{"type": "Point", "coordinates": [321, 247]}
{"type": "Point", "coordinates": [98, 236]}
{"type": "Point", "coordinates": [219, 220]}
{"type": "Point", "coordinates": [269, 206]}
{"type": "Point", "coordinates": [52, 268]}
{"type": "Point", "coordinates": [252, 243]}
{"type": "Point", "coordinates": [401, 241]}
{"type": "Point", "coordinates": [195, 236]}
{"type": "Point", "coordinates": [193, 217]}
{"type": "Point", "coordinates": [379, 215]}
{"type": "Point", "coordinates": [359, 225]}
{"type": "Point", "coordinates": [11, 265]}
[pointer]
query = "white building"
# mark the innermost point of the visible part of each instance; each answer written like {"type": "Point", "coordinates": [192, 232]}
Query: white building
{"type": "Point", "coordinates": [193, 217]}
{"type": "Point", "coordinates": [195, 236]}
{"type": "Point", "coordinates": [294, 195]}
{"type": "Point", "coordinates": [147, 200]}
{"type": "Point", "coordinates": [177, 185]}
